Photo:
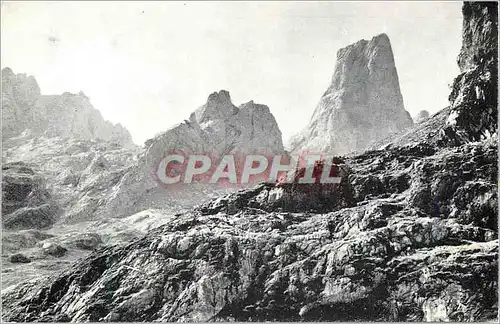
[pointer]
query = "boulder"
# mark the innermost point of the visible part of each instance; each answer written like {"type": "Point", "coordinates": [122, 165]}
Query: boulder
{"type": "Point", "coordinates": [19, 258]}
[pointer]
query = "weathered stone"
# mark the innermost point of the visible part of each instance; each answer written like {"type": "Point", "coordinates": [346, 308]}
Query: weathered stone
{"type": "Point", "coordinates": [19, 258]}
{"type": "Point", "coordinates": [362, 105]}
{"type": "Point", "coordinates": [216, 128]}
{"type": "Point", "coordinates": [53, 249]}
{"type": "Point", "coordinates": [66, 115]}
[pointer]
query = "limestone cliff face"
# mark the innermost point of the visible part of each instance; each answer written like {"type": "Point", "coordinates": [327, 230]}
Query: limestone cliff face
{"type": "Point", "coordinates": [19, 96]}
{"type": "Point", "coordinates": [72, 115]}
{"type": "Point", "coordinates": [363, 103]}
{"type": "Point", "coordinates": [66, 115]}
{"type": "Point", "coordinates": [473, 111]}
{"type": "Point", "coordinates": [246, 128]}
{"type": "Point", "coordinates": [218, 128]}
{"type": "Point", "coordinates": [480, 35]}
{"type": "Point", "coordinates": [474, 97]}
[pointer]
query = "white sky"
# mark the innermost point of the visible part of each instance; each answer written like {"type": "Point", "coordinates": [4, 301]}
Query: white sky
{"type": "Point", "coordinates": [148, 65]}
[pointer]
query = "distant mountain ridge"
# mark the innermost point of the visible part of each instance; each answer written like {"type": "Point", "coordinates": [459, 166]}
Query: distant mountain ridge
{"type": "Point", "coordinates": [24, 108]}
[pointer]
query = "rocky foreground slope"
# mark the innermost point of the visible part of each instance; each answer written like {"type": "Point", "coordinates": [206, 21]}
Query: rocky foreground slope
{"type": "Point", "coordinates": [48, 183]}
{"type": "Point", "coordinates": [362, 105]}
{"type": "Point", "coordinates": [409, 234]}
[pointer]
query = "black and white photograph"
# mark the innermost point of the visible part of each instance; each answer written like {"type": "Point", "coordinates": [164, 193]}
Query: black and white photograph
{"type": "Point", "coordinates": [249, 161]}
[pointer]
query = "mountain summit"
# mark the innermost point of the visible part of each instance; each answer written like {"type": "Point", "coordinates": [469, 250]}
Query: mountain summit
{"type": "Point", "coordinates": [218, 106]}
{"type": "Point", "coordinates": [69, 115]}
{"type": "Point", "coordinates": [218, 127]}
{"type": "Point", "coordinates": [363, 103]}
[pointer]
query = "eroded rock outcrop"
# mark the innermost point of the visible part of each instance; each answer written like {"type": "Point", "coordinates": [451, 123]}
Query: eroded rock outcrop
{"type": "Point", "coordinates": [19, 96]}
{"type": "Point", "coordinates": [362, 105]}
{"type": "Point", "coordinates": [48, 184]}
{"type": "Point", "coordinates": [472, 114]}
{"type": "Point", "coordinates": [26, 203]}
{"type": "Point", "coordinates": [79, 174]}
{"type": "Point", "coordinates": [474, 98]}
{"type": "Point", "coordinates": [217, 128]}
{"type": "Point", "coordinates": [66, 115]}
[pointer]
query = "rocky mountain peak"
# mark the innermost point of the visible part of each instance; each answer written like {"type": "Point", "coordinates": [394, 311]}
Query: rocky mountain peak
{"type": "Point", "coordinates": [20, 94]}
{"type": "Point", "coordinates": [218, 127]}
{"type": "Point", "coordinates": [21, 87]}
{"type": "Point", "coordinates": [222, 96]}
{"type": "Point", "coordinates": [66, 115]}
{"type": "Point", "coordinates": [380, 41]}
{"type": "Point", "coordinates": [217, 107]}
{"type": "Point", "coordinates": [254, 107]}
{"type": "Point", "coordinates": [363, 103]}
{"type": "Point", "coordinates": [7, 72]}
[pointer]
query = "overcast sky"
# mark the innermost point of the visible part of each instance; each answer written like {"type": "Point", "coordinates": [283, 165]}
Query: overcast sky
{"type": "Point", "coordinates": [147, 65]}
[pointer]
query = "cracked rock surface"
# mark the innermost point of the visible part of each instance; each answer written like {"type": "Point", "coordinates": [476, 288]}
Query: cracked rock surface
{"type": "Point", "coordinates": [408, 250]}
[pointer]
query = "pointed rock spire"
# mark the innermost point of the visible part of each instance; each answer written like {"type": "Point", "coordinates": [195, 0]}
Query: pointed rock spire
{"type": "Point", "coordinates": [363, 103]}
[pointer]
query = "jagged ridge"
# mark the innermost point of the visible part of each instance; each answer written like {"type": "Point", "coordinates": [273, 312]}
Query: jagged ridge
{"type": "Point", "coordinates": [218, 128]}
{"type": "Point", "coordinates": [66, 115]}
